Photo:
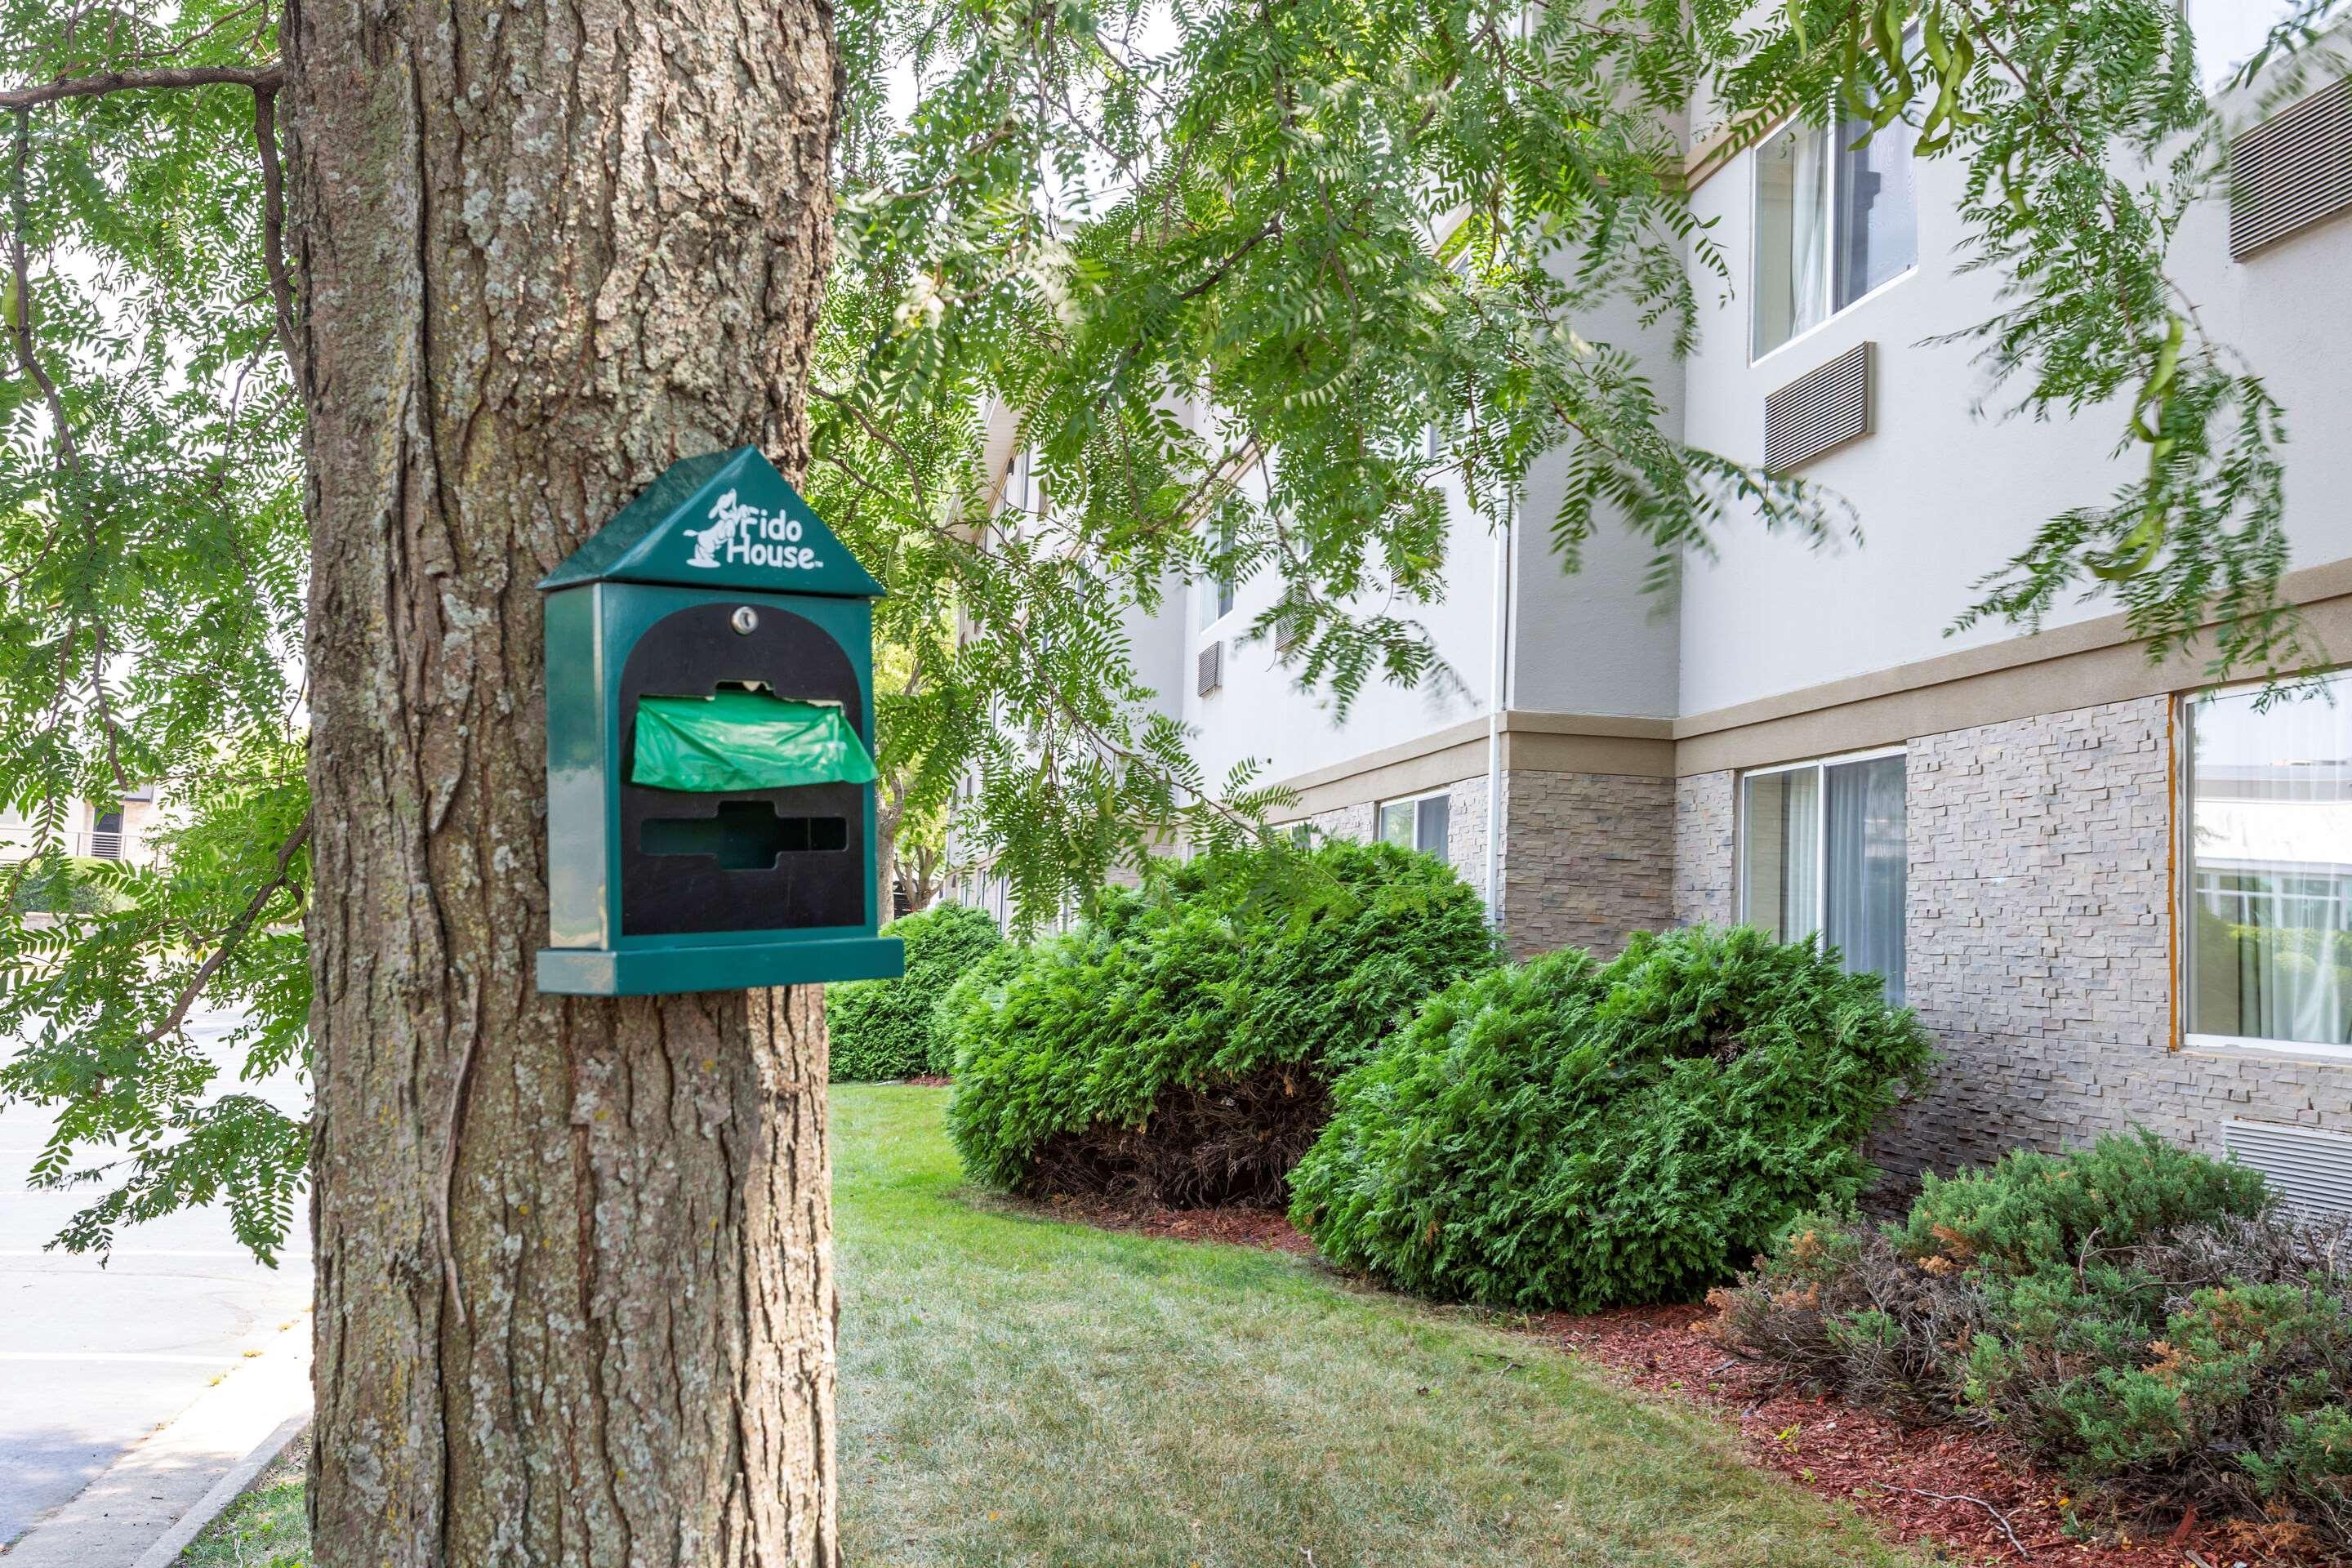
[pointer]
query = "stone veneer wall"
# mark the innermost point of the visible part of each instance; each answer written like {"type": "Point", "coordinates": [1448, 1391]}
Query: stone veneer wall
{"type": "Point", "coordinates": [1587, 859]}
{"type": "Point", "coordinates": [1465, 827]}
{"type": "Point", "coordinates": [2038, 932]}
{"type": "Point", "coordinates": [1704, 848]}
{"type": "Point", "coordinates": [1355, 821]}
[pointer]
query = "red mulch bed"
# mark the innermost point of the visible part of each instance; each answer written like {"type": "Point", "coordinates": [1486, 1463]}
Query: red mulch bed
{"type": "Point", "coordinates": [929, 1081]}
{"type": "Point", "coordinates": [1269, 1229]}
{"type": "Point", "coordinates": [1881, 1468]}
{"type": "Point", "coordinates": [1870, 1463]}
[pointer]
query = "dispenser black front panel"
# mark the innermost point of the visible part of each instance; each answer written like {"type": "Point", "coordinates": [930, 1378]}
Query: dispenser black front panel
{"type": "Point", "coordinates": [747, 860]}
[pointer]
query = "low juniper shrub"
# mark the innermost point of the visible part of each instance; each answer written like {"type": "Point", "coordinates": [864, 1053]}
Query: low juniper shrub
{"type": "Point", "coordinates": [985, 976]}
{"type": "Point", "coordinates": [1570, 1134]}
{"type": "Point", "coordinates": [1178, 1044]}
{"type": "Point", "coordinates": [885, 1028]}
{"type": "Point", "coordinates": [2141, 1317]}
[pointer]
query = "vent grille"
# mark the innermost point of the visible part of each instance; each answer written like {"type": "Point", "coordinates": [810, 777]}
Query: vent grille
{"type": "Point", "coordinates": [1818, 410]}
{"type": "Point", "coordinates": [2292, 170]}
{"type": "Point", "coordinates": [1213, 668]}
{"type": "Point", "coordinates": [1286, 635]}
{"type": "Point", "coordinates": [2308, 1168]}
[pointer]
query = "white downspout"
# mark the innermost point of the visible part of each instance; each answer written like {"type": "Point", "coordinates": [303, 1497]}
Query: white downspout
{"type": "Point", "coordinates": [1497, 700]}
{"type": "Point", "coordinates": [1500, 677]}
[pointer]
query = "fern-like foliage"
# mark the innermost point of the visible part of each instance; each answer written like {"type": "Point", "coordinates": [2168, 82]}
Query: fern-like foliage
{"type": "Point", "coordinates": [1262, 289]}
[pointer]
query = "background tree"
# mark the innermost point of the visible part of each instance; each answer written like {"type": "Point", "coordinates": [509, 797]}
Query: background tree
{"type": "Point", "coordinates": [536, 261]}
{"type": "Point", "coordinates": [1337, 226]}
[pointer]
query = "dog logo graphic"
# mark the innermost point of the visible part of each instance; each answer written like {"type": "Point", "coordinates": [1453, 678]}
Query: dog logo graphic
{"type": "Point", "coordinates": [727, 517]}
{"type": "Point", "coordinates": [748, 536]}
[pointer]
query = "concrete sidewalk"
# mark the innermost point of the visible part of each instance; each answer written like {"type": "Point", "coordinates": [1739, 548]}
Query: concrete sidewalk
{"type": "Point", "coordinates": [98, 1356]}
{"type": "Point", "coordinates": [144, 1509]}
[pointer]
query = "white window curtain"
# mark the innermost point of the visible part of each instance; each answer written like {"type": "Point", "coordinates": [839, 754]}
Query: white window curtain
{"type": "Point", "coordinates": [1792, 196]}
{"type": "Point", "coordinates": [1782, 877]}
{"type": "Point", "coordinates": [1823, 852]}
{"type": "Point", "coordinates": [2271, 861]}
{"type": "Point", "coordinates": [1866, 861]}
{"type": "Point", "coordinates": [1809, 260]}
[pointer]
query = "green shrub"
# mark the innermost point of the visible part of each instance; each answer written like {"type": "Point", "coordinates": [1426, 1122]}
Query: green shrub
{"type": "Point", "coordinates": [2029, 1212]}
{"type": "Point", "coordinates": [985, 977]}
{"type": "Point", "coordinates": [2137, 1315]}
{"type": "Point", "coordinates": [69, 885]}
{"type": "Point", "coordinates": [887, 1028]}
{"type": "Point", "coordinates": [1178, 1044]}
{"type": "Point", "coordinates": [1568, 1134]}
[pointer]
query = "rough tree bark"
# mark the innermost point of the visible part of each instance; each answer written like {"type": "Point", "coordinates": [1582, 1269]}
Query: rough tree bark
{"type": "Point", "coordinates": [575, 1281]}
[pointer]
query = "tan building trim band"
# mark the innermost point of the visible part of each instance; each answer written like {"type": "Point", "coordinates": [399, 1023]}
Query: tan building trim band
{"type": "Point", "coordinates": [1549, 743]}
{"type": "Point", "coordinates": [2080, 666]}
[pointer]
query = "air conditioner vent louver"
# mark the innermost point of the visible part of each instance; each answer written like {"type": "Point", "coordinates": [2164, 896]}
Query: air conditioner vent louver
{"type": "Point", "coordinates": [2309, 1168]}
{"type": "Point", "coordinates": [1213, 668]}
{"type": "Point", "coordinates": [1818, 410]}
{"type": "Point", "coordinates": [2292, 170]}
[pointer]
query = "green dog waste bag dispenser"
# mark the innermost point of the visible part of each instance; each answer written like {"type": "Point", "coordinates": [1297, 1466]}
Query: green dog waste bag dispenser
{"type": "Point", "coordinates": [711, 746]}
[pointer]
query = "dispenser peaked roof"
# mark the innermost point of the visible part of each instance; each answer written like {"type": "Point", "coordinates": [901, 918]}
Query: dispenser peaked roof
{"type": "Point", "coordinates": [724, 520]}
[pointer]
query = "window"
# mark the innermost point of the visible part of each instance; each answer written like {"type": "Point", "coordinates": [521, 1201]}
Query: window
{"type": "Point", "coordinates": [1422, 824]}
{"type": "Point", "coordinates": [1821, 850]}
{"type": "Point", "coordinates": [1834, 221]}
{"type": "Point", "coordinates": [2269, 926]}
{"type": "Point", "coordinates": [1216, 603]}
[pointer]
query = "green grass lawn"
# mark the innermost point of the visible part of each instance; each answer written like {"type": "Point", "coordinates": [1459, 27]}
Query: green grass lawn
{"type": "Point", "coordinates": [265, 1528]}
{"type": "Point", "coordinates": [1020, 1392]}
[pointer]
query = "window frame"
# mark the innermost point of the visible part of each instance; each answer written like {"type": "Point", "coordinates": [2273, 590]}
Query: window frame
{"type": "Point", "coordinates": [2183, 805]}
{"type": "Point", "coordinates": [1829, 245]}
{"type": "Point", "coordinates": [1741, 827]}
{"type": "Point", "coordinates": [1219, 598]}
{"type": "Point", "coordinates": [1381, 806]}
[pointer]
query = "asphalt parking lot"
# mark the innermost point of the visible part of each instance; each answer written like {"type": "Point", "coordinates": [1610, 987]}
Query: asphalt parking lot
{"type": "Point", "coordinates": [94, 1357]}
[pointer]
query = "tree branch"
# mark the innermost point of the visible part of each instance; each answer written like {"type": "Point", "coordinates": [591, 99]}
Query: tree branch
{"type": "Point", "coordinates": [20, 332]}
{"type": "Point", "coordinates": [280, 879]}
{"type": "Point", "coordinates": [914, 475]}
{"type": "Point", "coordinates": [106, 711]}
{"type": "Point", "coordinates": [20, 328]}
{"type": "Point", "coordinates": [273, 230]}
{"type": "Point", "coordinates": [1998, 1517]}
{"type": "Point", "coordinates": [260, 78]}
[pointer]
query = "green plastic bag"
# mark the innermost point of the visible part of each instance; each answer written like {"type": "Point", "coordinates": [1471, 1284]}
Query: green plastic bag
{"type": "Point", "coordinates": [743, 741]}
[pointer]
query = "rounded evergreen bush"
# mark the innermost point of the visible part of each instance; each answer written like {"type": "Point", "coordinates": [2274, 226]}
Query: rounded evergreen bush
{"type": "Point", "coordinates": [885, 1028]}
{"type": "Point", "coordinates": [1177, 1047]}
{"type": "Point", "coordinates": [985, 976]}
{"type": "Point", "coordinates": [1569, 1134]}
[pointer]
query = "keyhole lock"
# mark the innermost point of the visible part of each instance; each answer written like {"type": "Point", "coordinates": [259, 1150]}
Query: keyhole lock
{"type": "Point", "coordinates": [746, 620]}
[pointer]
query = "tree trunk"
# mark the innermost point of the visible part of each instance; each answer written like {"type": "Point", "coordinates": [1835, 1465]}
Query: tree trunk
{"type": "Point", "coordinates": [575, 1301]}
